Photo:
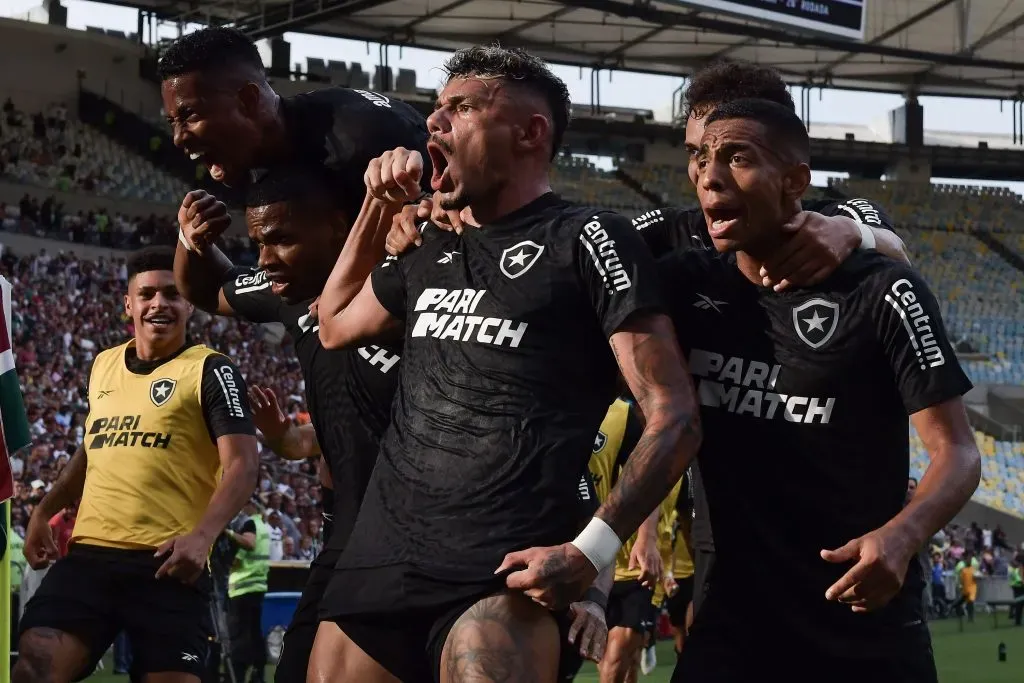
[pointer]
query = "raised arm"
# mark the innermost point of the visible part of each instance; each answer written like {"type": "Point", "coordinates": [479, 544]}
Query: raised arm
{"type": "Point", "coordinates": [349, 310]}
{"type": "Point", "coordinates": [200, 268]}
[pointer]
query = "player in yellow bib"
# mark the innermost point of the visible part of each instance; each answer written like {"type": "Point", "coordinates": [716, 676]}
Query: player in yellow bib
{"type": "Point", "coordinates": [639, 564]}
{"type": "Point", "coordinates": [169, 457]}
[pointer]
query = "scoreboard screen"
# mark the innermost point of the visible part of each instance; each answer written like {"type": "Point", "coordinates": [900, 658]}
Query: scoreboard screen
{"type": "Point", "coordinates": [841, 18]}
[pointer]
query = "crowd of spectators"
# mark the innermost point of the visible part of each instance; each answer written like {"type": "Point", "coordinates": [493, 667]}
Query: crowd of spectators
{"type": "Point", "coordinates": [66, 311]}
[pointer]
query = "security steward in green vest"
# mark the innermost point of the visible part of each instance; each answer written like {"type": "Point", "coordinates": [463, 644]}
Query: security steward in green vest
{"type": "Point", "coordinates": [1017, 586]}
{"type": "Point", "coordinates": [247, 586]}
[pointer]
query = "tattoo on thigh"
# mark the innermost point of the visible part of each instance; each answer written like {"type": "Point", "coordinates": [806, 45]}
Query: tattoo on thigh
{"type": "Point", "coordinates": [487, 646]}
{"type": "Point", "coordinates": [36, 654]}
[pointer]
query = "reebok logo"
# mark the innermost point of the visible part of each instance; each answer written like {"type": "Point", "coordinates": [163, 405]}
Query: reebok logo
{"type": "Point", "coordinates": [448, 256]}
{"type": "Point", "coordinates": [706, 303]}
{"type": "Point", "coordinates": [189, 657]}
{"type": "Point", "coordinates": [451, 314]}
{"type": "Point", "coordinates": [917, 323]}
{"type": "Point", "coordinates": [104, 393]}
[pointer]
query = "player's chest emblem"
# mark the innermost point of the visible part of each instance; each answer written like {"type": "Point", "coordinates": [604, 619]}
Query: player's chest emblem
{"type": "Point", "coordinates": [519, 258]}
{"type": "Point", "coordinates": [161, 390]}
{"type": "Point", "coordinates": [599, 441]}
{"type": "Point", "coordinates": [816, 321]}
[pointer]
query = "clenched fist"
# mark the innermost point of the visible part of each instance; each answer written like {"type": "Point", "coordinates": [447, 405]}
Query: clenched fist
{"type": "Point", "coordinates": [394, 177]}
{"type": "Point", "coordinates": [202, 219]}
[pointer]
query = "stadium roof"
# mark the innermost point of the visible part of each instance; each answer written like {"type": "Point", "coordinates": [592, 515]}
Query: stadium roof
{"type": "Point", "coordinates": [941, 47]}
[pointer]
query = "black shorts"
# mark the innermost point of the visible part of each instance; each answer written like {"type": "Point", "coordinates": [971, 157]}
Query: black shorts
{"type": "Point", "coordinates": [95, 593]}
{"type": "Point", "coordinates": [677, 603]}
{"type": "Point", "coordinates": [298, 639]}
{"type": "Point", "coordinates": [406, 635]}
{"type": "Point", "coordinates": [703, 565]}
{"type": "Point", "coordinates": [629, 605]}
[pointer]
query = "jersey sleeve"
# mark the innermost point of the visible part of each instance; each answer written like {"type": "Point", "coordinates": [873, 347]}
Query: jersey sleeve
{"type": "Point", "coordinates": [914, 340]}
{"type": "Point", "coordinates": [861, 210]}
{"type": "Point", "coordinates": [617, 270]}
{"type": "Point", "coordinates": [225, 402]}
{"type": "Point", "coordinates": [248, 293]}
{"type": "Point", "coordinates": [588, 499]}
{"type": "Point", "coordinates": [670, 228]}
{"type": "Point", "coordinates": [388, 281]}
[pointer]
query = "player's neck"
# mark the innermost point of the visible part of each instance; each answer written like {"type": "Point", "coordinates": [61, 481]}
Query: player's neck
{"type": "Point", "coordinates": [512, 197]}
{"type": "Point", "coordinates": [276, 144]}
{"type": "Point", "coordinates": [157, 349]}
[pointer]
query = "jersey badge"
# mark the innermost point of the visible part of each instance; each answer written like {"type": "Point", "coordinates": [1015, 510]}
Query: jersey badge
{"type": "Point", "coordinates": [161, 390]}
{"type": "Point", "coordinates": [816, 321]}
{"type": "Point", "coordinates": [599, 441]}
{"type": "Point", "coordinates": [519, 258]}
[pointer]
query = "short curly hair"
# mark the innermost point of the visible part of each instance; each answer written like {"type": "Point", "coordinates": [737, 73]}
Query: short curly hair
{"type": "Point", "coordinates": [149, 259]}
{"type": "Point", "coordinates": [521, 68]}
{"type": "Point", "coordinates": [208, 49]}
{"type": "Point", "coordinates": [721, 82]}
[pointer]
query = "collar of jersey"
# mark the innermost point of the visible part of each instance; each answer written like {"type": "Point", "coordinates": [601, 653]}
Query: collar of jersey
{"type": "Point", "coordinates": [527, 211]}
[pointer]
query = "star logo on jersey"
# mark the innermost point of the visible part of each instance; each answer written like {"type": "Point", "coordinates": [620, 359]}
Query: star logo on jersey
{"type": "Point", "coordinates": [816, 321]}
{"type": "Point", "coordinates": [706, 303]}
{"type": "Point", "coordinates": [448, 257]}
{"type": "Point", "coordinates": [160, 391]}
{"type": "Point", "coordinates": [599, 441]}
{"type": "Point", "coordinates": [519, 258]}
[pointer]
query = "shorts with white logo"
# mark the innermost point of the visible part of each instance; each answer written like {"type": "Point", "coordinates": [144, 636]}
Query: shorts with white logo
{"type": "Point", "coordinates": [629, 605]}
{"type": "Point", "coordinates": [95, 593]}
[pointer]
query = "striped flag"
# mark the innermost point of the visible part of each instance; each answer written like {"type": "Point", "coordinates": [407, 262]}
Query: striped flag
{"type": "Point", "coordinates": [12, 405]}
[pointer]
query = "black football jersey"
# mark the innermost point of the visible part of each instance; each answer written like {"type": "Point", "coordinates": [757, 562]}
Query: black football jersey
{"type": "Point", "coordinates": [341, 129]}
{"type": "Point", "coordinates": [507, 374]}
{"type": "Point", "coordinates": [805, 397]}
{"type": "Point", "coordinates": [348, 392]}
{"type": "Point", "coordinates": [671, 228]}
{"type": "Point", "coordinates": [674, 228]}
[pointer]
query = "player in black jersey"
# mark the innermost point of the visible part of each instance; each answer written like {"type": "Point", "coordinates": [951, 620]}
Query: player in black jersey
{"type": "Point", "coordinates": [804, 399]}
{"type": "Point", "coordinates": [224, 113]}
{"type": "Point", "coordinates": [823, 235]}
{"type": "Point", "coordinates": [293, 217]}
{"type": "Point", "coordinates": [507, 374]}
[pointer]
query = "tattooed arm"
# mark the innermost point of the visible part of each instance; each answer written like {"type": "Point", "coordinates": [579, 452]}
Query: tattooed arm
{"type": "Point", "coordinates": [658, 377]}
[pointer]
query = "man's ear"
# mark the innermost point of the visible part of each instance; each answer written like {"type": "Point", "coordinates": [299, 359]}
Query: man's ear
{"type": "Point", "coordinates": [535, 133]}
{"type": "Point", "coordinates": [795, 181]}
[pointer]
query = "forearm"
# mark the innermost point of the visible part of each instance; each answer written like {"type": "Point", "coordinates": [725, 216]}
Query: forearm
{"type": "Point", "coordinates": [235, 487]}
{"type": "Point", "coordinates": [669, 442]}
{"type": "Point", "coordinates": [296, 443]}
{"type": "Point", "coordinates": [947, 485]}
{"type": "Point", "coordinates": [889, 243]}
{"type": "Point", "coordinates": [363, 249]}
{"type": "Point", "coordinates": [68, 487]}
{"type": "Point", "coordinates": [199, 277]}
{"type": "Point", "coordinates": [648, 530]}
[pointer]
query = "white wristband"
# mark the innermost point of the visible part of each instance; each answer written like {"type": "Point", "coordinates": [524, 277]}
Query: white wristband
{"type": "Point", "coordinates": [599, 543]}
{"type": "Point", "coordinates": [184, 240]}
{"type": "Point", "coordinates": [867, 236]}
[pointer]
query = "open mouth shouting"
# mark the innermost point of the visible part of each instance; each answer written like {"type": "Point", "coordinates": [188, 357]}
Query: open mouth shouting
{"type": "Point", "coordinates": [722, 219]}
{"type": "Point", "coordinates": [439, 151]}
{"type": "Point", "coordinates": [215, 169]}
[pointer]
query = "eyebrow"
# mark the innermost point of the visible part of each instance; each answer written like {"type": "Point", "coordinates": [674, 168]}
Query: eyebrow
{"type": "Point", "coordinates": [454, 101]}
